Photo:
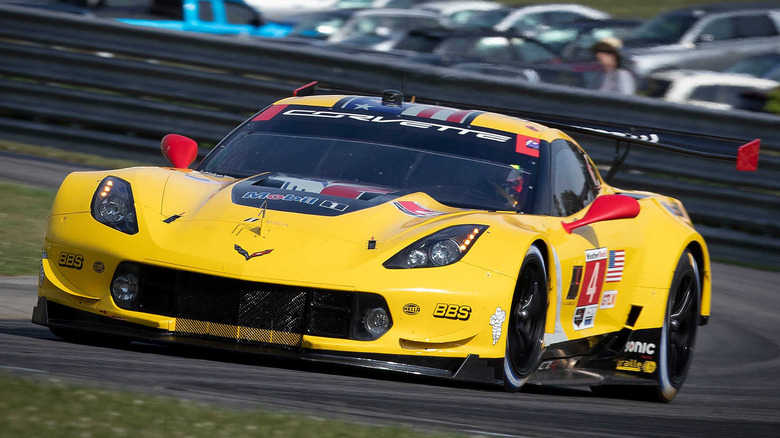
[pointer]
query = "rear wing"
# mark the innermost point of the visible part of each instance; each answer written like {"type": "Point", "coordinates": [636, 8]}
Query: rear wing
{"type": "Point", "coordinates": [745, 154]}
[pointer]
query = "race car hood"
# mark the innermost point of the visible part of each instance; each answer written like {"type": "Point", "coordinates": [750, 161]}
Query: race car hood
{"type": "Point", "coordinates": [256, 230]}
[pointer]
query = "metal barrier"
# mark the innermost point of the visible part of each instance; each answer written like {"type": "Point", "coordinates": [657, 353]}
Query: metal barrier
{"type": "Point", "coordinates": [83, 82]}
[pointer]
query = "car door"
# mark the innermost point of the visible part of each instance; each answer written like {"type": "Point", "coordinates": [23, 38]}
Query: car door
{"type": "Point", "coordinates": [593, 261]}
{"type": "Point", "coordinates": [725, 39]}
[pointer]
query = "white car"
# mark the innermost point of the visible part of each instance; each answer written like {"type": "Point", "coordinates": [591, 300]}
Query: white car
{"type": "Point", "coordinates": [528, 20]}
{"type": "Point", "coordinates": [281, 9]}
{"type": "Point", "coordinates": [274, 10]}
{"type": "Point", "coordinates": [705, 88]}
{"type": "Point", "coordinates": [474, 13]}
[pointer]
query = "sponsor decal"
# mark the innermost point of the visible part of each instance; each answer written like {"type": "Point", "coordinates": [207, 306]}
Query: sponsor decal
{"type": "Point", "coordinates": [608, 299]}
{"type": "Point", "coordinates": [70, 260]}
{"type": "Point", "coordinates": [585, 317]}
{"type": "Point", "coordinates": [595, 265]}
{"type": "Point", "coordinates": [527, 145]}
{"type": "Point", "coordinates": [411, 309]}
{"type": "Point", "coordinates": [497, 321]}
{"type": "Point", "coordinates": [280, 197]}
{"type": "Point", "coordinates": [595, 254]}
{"type": "Point", "coordinates": [334, 205]}
{"type": "Point", "coordinates": [370, 118]}
{"type": "Point", "coordinates": [98, 267]}
{"type": "Point", "coordinates": [248, 256]}
{"type": "Point", "coordinates": [411, 208]}
{"type": "Point", "coordinates": [640, 347]}
{"type": "Point", "coordinates": [636, 366]}
{"type": "Point", "coordinates": [576, 279]}
{"type": "Point", "coordinates": [452, 311]}
{"type": "Point", "coordinates": [552, 365]}
{"type": "Point", "coordinates": [617, 259]}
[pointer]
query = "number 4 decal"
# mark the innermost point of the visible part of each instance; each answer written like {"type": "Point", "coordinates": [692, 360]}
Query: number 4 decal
{"type": "Point", "coordinates": [595, 266]}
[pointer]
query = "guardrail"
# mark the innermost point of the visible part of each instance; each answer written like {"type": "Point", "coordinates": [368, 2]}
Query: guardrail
{"type": "Point", "coordinates": [85, 83]}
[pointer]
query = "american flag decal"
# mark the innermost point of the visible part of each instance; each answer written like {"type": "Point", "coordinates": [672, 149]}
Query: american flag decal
{"type": "Point", "coordinates": [617, 259]}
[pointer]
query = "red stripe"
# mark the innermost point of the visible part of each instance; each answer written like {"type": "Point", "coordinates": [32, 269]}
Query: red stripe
{"type": "Point", "coordinates": [458, 116]}
{"type": "Point", "coordinates": [429, 112]}
{"type": "Point", "coordinates": [270, 113]}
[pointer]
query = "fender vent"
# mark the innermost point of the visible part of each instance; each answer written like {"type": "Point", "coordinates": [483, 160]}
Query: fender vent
{"type": "Point", "coordinates": [633, 315]}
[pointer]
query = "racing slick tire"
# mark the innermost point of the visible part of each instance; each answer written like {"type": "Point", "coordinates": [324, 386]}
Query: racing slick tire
{"type": "Point", "coordinates": [525, 331]}
{"type": "Point", "coordinates": [678, 336]}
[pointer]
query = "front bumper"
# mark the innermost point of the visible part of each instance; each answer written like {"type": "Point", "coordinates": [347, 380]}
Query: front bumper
{"type": "Point", "coordinates": [472, 368]}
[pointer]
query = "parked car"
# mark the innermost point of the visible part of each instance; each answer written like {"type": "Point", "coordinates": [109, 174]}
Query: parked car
{"type": "Point", "coordinates": [706, 37]}
{"type": "Point", "coordinates": [381, 29]}
{"type": "Point", "coordinates": [449, 47]}
{"type": "Point", "coordinates": [278, 10]}
{"type": "Point", "coordinates": [574, 40]}
{"type": "Point", "coordinates": [468, 14]}
{"type": "Point", "coordinates": [224, 17]}
{"type": "Point", "coordinates": [765, 65]}
{"type": "Point", "coordinates": [284, 10]}
{"type": "Point", "coordinates": [534, 18]}
{"type": "Point", "coordinates": [318, 26]}
{"type": "Point", "coordinates": [709, 89]}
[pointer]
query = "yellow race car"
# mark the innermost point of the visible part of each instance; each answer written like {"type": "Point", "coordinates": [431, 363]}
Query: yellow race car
{"type": "Point", "coordinates": [396, 235]}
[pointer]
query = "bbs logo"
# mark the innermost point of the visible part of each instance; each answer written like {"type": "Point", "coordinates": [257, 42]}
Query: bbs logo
{"type": "Point", "coordinates": [452, 311]}
{"type": "Point", "coordinates": [69, 260]}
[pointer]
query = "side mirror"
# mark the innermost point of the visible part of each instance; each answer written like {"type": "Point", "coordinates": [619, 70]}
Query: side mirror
{"type": "Point", "coordinates": [606, 208]}
{"type": "Point", "coordinates": [181, 151]}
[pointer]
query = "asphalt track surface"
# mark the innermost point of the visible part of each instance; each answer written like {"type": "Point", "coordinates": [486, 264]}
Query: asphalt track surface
{"type": "Point", "coordinates": [733, 387]}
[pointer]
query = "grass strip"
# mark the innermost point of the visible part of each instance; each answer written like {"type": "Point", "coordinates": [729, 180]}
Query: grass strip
{"type": "Point", "coordinates": [53, 409]}
{"type": "Point", "coordinates": [67, 156]}
{"type": "Point", "coordinates": [23, 214]}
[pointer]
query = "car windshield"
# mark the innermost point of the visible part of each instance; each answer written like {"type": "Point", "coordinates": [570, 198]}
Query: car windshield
{"type": "Point", "coordinates": [319, 25]}
{"type": "Point", "coordinates": [457, 166]}
{"type": "Point", "coordinates": [758, 66]}
{"type": "Point", "coordinates": [478, 19]}
{"type": "Point", "coordinates": [665, 29]}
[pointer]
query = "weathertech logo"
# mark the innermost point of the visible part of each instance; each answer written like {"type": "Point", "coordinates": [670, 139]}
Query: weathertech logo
{"type": "Point", "coordinates": [248, 256]}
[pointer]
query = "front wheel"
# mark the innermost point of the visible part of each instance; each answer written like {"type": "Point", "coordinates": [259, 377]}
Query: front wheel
{"type": "Point", "coordinates": [525, 332]}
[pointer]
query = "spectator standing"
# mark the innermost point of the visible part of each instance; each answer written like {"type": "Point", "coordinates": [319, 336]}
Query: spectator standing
{"type": "Point", "coordinates": [616, 78]}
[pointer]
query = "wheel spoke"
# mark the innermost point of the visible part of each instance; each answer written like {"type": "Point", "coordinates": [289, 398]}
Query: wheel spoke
{"type": "Point", "coordinates": [686, 304]}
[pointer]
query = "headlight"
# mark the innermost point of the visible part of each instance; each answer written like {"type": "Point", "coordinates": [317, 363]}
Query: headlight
{"type": "Point", "coordinates": [442, 248]}
{"type": "Point", "coordinates": [113, 205]}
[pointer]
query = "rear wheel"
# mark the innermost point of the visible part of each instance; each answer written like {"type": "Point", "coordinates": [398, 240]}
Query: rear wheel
{"type": "Point", "coordinates": [525, 332]}
{"type": "Point", "coordinates": [678, 336]}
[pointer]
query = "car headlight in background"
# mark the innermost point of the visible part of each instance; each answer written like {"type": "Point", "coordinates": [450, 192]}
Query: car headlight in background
{"type": "Point", "coordinates": [113, 205]}
{"type": "Point", "coordinates": [442, 248]}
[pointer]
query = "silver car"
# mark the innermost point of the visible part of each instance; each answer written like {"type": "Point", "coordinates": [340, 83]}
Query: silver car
{"type": "Point", "coordinates": [706, 37]}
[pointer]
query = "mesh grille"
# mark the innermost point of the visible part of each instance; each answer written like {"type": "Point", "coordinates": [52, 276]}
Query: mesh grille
{"type": "Point", "coordinates": [246, 312]}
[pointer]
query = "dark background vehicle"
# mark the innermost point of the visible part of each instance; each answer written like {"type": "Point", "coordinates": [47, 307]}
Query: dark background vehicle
{"type": "Point", "coordinates": [447, 47]}
{"type": "Point", "coordinates": [708, 37]}
{"type": "Point", "coordinates": [574, 40]}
